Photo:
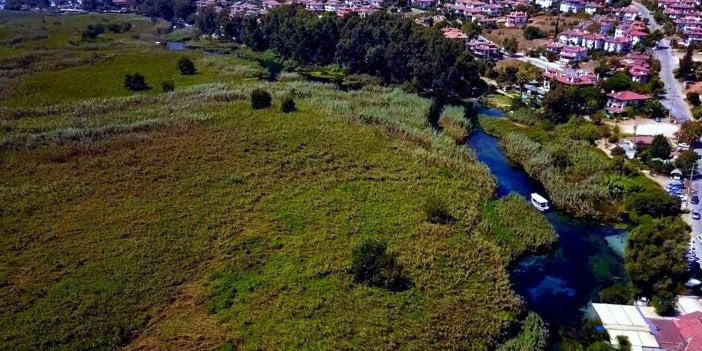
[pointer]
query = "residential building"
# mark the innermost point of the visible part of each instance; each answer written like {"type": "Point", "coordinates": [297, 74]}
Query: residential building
{"type": "Point", "coordinates": [572, 6]}
{"type": "Point", "coordinates": [544, 4]}
{"type": "Point", "coordinates": [485, 49]}
{"type": "Point", "coordinates": [572, 54]}
{"type": "Point", "coordinates": [516, 19]}
{"type": "Point", "coordinates": [618, 101]}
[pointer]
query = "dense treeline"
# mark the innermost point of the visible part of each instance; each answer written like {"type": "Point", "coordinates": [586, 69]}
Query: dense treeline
{"type": "Point", "coordinates": [384, 45]}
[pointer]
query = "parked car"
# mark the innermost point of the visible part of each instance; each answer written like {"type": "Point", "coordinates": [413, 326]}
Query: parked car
{"type": "Point", "coordinates": [695, 215]}
{"type": "Point", "coordinates": [699, 238]}
{"type": "Point", "coordinates": [694, 200]}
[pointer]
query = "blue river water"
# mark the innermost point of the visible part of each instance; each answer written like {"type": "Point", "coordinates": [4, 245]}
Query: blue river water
{"type": "Point", "coordinates": [559, 285]}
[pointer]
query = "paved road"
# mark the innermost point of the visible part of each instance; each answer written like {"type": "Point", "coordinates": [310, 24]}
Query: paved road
{"type": "Point", "coordinates": [674, 97]}
{"type": "Point", "coordinates": [652, 25]}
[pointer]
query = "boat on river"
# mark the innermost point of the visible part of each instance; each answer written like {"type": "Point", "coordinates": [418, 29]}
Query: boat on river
{"type": "Point", "coordinates": [539, 202]}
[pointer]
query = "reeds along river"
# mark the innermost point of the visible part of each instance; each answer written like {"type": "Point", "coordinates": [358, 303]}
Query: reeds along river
{"type": "Point", "coordinates": [588, 258]}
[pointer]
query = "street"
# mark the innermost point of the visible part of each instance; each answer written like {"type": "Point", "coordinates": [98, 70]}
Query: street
{"type": "Point", "coordinates": [652, 24]}
{"type": "Point", "coordinates": [674, 96]}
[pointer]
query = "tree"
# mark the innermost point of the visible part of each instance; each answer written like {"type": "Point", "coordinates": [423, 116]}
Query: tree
{"type": "Point", "coordinates": [690, 132]}
{"type": "Point", "coordinates": [135, 82]}
{"type": "Point", "coordinates": [693, 98]}
{"type": "Point", "coordinates": [510, 45]}
{"type": "Point", "coordinates": [687, 66]}
{"type": "Point", "coordinates": [260, 99]}
{"type": "Point", "coordinates": [372, 264]}
{"type": "Point", "coordinates": [655, 205]}
{"type": "Point", "coordinates": [561, 102]}
{"type": "Point", "coordinates": [472, 29]}
{"type": "Point", "coordinates": [207, 20]}
{"type": "Point", "coordinates": [288, 105]}
{"type": "Point", "coordinates": [186, 67]}
{"type": "Point", "coordinates": [660, 147]}
{"type": "Point", "coordinates": [655, 255]}
{"type": "Point", "coordinates": [531, 33]}
{"type": "Point", "coordinates": [167, 86]}
{"type": "Point", "coordinates": [654, 109]}
{"type": "Point", "coordinates": [618, 151]}
{"type": "Point", "coordinates": [616, 294]}
{"type": "Point", "coordinates": [687, 161]}
{"type": "Point", "coordinates": [617, 82]}
{"type": "Point", "coordinates": [435, 110]}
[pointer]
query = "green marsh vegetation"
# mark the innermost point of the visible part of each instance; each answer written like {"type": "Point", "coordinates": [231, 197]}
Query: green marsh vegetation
{"type": "Point", "coordinates": [189, 219]}
{"type": "Point", "coordinates": [582, 180]}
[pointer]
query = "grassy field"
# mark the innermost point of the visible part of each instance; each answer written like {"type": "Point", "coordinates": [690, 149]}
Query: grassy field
{"type": "Point", "coordinates": [188, 220]}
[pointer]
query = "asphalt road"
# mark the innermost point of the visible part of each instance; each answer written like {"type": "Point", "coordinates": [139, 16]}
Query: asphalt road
{"type": "Point", "coordinates": [674, 97]}
{"type": "Point", "coordinates": [652, 25]}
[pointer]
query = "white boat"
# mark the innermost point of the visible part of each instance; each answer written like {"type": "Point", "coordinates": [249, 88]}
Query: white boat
{"type": "Point", "coordinates": [539, 202]}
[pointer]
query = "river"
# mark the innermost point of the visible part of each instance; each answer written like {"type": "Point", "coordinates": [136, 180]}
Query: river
{"type": "Point", "coordinates": [589, 256]}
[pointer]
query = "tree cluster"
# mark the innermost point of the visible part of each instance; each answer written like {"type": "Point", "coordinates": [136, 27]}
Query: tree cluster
{"type": "Point", "coordinates": [655, 259]}
{"type": "Point", "coordinates": [374, 265]}
{"type": "Point", "coordinates": [390, 47]}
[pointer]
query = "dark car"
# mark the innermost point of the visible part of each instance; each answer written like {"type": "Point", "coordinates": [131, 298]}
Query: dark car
{"type": "Point", "coordinates": [694, 200]}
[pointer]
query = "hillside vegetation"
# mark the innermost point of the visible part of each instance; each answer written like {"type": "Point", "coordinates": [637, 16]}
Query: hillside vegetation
{"type": "Point", "coordinates": [190, 220]}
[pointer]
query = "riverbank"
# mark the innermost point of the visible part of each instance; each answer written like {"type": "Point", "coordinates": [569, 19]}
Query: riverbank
{"type": "Point", "coordinates": [557, 285]}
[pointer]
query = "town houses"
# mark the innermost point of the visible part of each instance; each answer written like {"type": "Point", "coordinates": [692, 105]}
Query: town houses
{"type": "Point", "coordinates": [686, 18]}
{"type": "Point", "coordinates": [628, 31]}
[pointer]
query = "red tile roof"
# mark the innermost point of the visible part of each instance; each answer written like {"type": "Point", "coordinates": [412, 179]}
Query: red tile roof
{"type": "Point", "coordinates": [690, 327]}
{"type": "Point", "coordinates": [628, 96]}
{"type": "Point", "coordinates": [667, 334]}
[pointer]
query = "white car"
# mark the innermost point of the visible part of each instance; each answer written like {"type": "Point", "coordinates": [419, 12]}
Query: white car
{"type": "Point", "coordinates": [699, 239]}
{"type": "Point", "coordinates": [695, 215]}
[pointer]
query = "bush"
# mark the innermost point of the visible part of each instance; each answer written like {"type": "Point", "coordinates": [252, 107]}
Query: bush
{"type": "Point", "coordinates": [288, 105]}
{"type": "Point", "coordinates": [532, 32]}
{"type": "Point", "coordinates": [693, 98]}
{"type": "Point", "coordinates": [618, 151]}
{"type": "Point", "coordinates": [616, 294]}
{"type": "Point", "coordinates": [186, 67]}
{"type": "Point", "coordinates": [437, 211]}
{"type": "Point", "coordinates": [135, 82]}
{"type": "Point", "coordinates": [92, 31]}
{"type": "Point", "coordinates": [373, 264]}
{"type": "Point", "coordinates": [167, 86]}
{"type": "Point", "coordinates": [260, 99]}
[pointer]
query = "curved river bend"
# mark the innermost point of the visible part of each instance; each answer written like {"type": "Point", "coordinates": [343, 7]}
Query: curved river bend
{"type": "Point", "coordinates": [558, 285]}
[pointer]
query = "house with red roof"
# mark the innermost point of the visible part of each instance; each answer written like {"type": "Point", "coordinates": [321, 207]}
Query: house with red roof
{"type": "Point", "coordinates": [569, 77]}
{"type": "Point", "coordinates": [618, 101]}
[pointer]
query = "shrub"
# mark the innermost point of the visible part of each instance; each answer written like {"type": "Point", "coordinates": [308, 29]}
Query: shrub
{"type": "Point", "coordinates": [167, 86]}
{"type": "Point", "coordinates": [186, 67]}
{"type": "Point", "coordinates": [373, 264]}
{"type": "Point", "coordinates": [618, 151]}
{"type": "Point", "coordinates": [616, 294]}
{"type": "Point", "coordinates": [288, 105]}
{"type": "Point", "coordinates": [437, 211]}
{"type": "Point", "coordinates": [532, 32]}
{"type": "Point", "coordinates": [693, 98]}
{"type": "Point", "coordinates": [135, 82]}
{"type": "Point", "coordinates": [92, 31]}
{"type": "Point", "coordinates": [260, 99]}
